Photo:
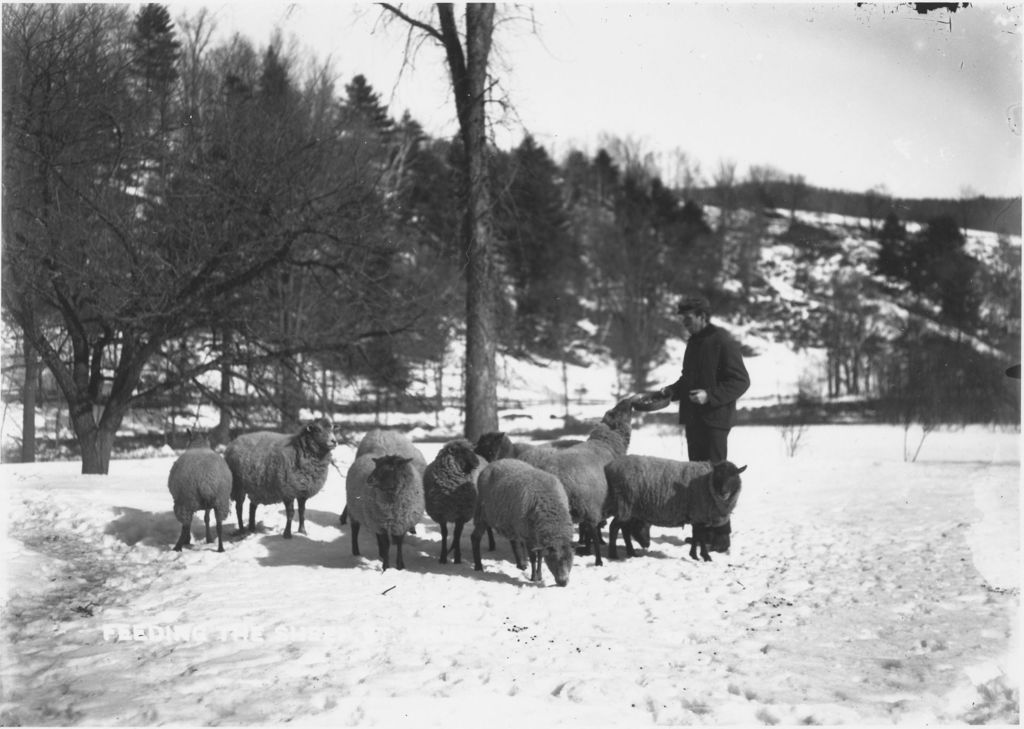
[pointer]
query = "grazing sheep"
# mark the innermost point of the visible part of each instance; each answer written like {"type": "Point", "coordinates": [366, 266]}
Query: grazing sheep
{"type": "Point", "coordinates": [667, 493]}
{"type": "Point", "coordinates": [529, 507]}
{"type": "Point", "coordinates": [275, 467]}
{"type": "Point", "coordinates": [709, 536]}
{"type": "Point", "coordinates": [384, 490]}
{"type": "Point", "coordinates": [200, 480]}
{"type": "Point", "coordinates": [580, 469]}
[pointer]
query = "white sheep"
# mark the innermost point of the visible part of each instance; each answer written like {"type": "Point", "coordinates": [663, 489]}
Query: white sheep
{"type": "Point", "coordinates": [580, 469]}
{"type": "Point", "coordinates": [668, 493]}
{"type": "Point", "coordinates": [280, 468]}
{"type": "Point", "coordinates": [530, 508]}
{"type": "Point", "coordinates": [384, 491]}
{"type": "Point", "coordinates": [379, 442]}
{"type": "Point", "coordinates": [200, 480]}
{"type": "Point", "coordinates": [449, 490]}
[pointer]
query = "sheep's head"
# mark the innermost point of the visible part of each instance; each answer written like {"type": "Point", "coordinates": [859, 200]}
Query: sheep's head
{"type": "Point", "coordinates": [461, 454]}
{"type": "Point", "coordinates": [558, 558]}
{"type": "Point", "coordinates": [389, 472]}
{"type": "Point", "coordinates": [716, 537]}
{"type": "Point", "coordinates": [620, 419]}
{"type": "Point", "coordinates": [725, 482]}
{"type": "Point", "coordinates": [492, 446]}
{"type": "Point", "coordinates": [321, 433]}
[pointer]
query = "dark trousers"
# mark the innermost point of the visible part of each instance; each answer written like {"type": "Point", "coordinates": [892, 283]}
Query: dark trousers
{"type": "Point", "coordinates": [706, 444]}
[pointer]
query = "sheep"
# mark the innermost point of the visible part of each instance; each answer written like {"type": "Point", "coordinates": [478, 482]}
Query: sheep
{"type": "Point", "coordinates": [449, 490]}
{"type": "Point", "coordinates": [530, 508]}
{"type": "Point", "coordinates": [276, 467]}
{"type": "Point", "coordinates": [667, 493]}
{"type": "Point", "coordinates": [580, 469]}
{"type": "Point", "coordinates": [200, 479]}
{"type": "Point", "coordinates": [378, 442]}
{"type": "Point", "coordinates": [384, 490]}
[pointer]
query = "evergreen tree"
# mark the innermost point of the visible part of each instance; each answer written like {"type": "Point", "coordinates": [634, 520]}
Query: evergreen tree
{"type": "Point", "coordinates": [155, 58]}
{"type": "Point", "coordinates": [893, 253]}
{"type": "Point", "coordinates": [542, 258]}
{"type": "Point", "coordinates": [362, 109]}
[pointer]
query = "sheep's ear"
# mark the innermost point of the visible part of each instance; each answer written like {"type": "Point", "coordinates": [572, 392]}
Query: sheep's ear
{"type": "Point", "coordinates": [741, 469]}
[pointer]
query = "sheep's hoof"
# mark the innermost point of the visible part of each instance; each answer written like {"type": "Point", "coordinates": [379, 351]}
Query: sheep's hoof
{"type": "Point", "coordinates": [220, 548]}
{"type": "Point", "coordinates": [287, 535]}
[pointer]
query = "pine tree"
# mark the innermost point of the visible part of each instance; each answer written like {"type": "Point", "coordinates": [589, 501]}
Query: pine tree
{"type": "Point", "coordinates": [362, 109]}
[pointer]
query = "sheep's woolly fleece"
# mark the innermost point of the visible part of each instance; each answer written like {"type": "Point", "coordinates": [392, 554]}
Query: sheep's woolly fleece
{"type": "Point", "coordinates": [860, 589]}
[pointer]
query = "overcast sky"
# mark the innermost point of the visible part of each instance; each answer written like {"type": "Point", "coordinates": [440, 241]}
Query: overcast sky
{"type": "Point", "coordinates": [850, 97]}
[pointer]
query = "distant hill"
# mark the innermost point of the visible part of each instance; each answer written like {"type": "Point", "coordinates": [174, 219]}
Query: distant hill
{"type": "Point", "coordinates": [1000, 215]}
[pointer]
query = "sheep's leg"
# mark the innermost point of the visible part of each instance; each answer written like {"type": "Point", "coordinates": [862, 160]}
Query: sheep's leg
{"type": "Point", "coordinates": [613, 537]}
{"type": "Point", "coordinates": [302, 515]}
{"type": "Point", "coordinates": [583, 544]}
{"type": "Point", "coordinates": [399, 561]}
{"type": "Point", "coordinates": [185, 537]}
{"type": "Point", "coordinates": [344, 515]}
{"type": "Point", "coordinates": [490, 539]}
{"type": "Point", "coordinates": [355, 538]}
{"type": "Point", "coordinates": [289, 512]}
{"type": "Point", "coordinates": [444, 542]}
{"type": "Point", "coordinates": [516, 553]}
{"type": "Point", "coordinates": [206, 523]}
{"type": "Point", "coordinates": [704, 551]}
{"type": "Point", "coordinates": [383, 547]}
{"type": "Point", "coordinates": [252, 516]}
{"type": "Point", "coordinates": [220, 534]}
{"type": "Point", "coordinates": [535, 572]}
{"type": "Point", "coordinates": [627, 537]}
{"type": "Point", "coordinates": [474, 538]}
{"type": "Point", "coordinates": [239, 513]}
{"type": "Point", "coordinates": [595, 539]}
{"type": "Point", "coordinates": [456, 539]}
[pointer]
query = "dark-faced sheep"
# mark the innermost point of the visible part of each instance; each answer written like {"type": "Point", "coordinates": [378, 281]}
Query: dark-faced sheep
{"type": "Point", "coordinates": [200, 480]}
{"type": "Point", "coordinates": [379, 442]}
{"type": "Point", "coordinates": [669, 493]}
{"type": "Point", "coordinates": [273, 468]}
{"type": "Point", "coordinates": [530, 508]}
{"type": "Point", "coordinates": [387, 498]}
{"type": "Point", "coordinates": [449, 490]}
{"type": "Point", "coordinates": [580, 469]}
{"type": "Point", "coordinates": [384, 490]}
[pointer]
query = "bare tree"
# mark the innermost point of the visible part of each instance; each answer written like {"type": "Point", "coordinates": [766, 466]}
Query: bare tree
{"type": "Point", "coordinates": [724, 185]}
{"type": "Point", "coordinates": [467, 52]}
{"type": "Point", "coordinates": [130, 261]}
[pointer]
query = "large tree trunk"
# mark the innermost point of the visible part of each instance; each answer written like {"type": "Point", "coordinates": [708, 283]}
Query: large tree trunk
{"type": "Point", "coordinates": [469, 81]}
{"type": "Point", "coordinates": [221, 434]}
{"type": "Point", "coordinates": [96, 443]}
{"type": "Point", "coordinates": [29, 394]}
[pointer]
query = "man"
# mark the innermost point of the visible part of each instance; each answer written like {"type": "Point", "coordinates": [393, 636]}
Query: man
{"type": "Point", "coordinates": [713, 378]}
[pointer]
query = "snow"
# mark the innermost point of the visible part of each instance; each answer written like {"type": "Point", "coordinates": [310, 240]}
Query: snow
{"type": "Point", "coordinates": [860, 589]}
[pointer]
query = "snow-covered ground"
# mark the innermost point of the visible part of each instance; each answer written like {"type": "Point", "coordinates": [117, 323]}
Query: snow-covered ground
{"type": "Point", "coordinates": [860, 589]}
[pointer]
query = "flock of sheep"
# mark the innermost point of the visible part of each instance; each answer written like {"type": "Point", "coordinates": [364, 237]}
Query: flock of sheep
{"type": "Point", "coordinates": [531, 495]}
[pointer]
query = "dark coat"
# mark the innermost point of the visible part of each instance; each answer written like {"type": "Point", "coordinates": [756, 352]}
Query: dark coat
{"type": "Point", "coordinates": [712, 362]}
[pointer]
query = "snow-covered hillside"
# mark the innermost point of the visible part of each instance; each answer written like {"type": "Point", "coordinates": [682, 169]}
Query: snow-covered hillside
{"type": "Point", "coordinates": [860, 589]}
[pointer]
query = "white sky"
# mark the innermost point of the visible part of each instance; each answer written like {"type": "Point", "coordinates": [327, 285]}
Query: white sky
{"type": "Point", "coordinates": [850, 97]}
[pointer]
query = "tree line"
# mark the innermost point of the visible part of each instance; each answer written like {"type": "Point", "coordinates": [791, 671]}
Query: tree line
{"type": "Point", "coordinates": [192, 221]}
